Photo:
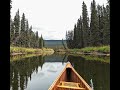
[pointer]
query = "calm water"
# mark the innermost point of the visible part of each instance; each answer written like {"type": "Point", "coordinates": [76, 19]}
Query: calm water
{"type": "Point", "coordinates": [38, 72]}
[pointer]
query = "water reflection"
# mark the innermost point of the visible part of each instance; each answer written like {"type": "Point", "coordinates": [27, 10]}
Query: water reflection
{"type": "Point", "coordinates": [98, 71]}
{"type": "Point", "coordinates": [22, 69]}
{"type": "Point", "coordinates": [38, 72]}
{"type": "Point", "coordinates": [33, 73]}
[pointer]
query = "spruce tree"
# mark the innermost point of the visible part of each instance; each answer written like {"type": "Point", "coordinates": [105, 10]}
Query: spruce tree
{"type": "Point", "coordinates": [41, 42]}
{"type": "Point", "coordinates": [70, 40]}
{"type": "Point", "coordinates": [106, 32]}
{"type": "Point", "coordinates": [37, 38]}
{"type": "Point", "coordinates": [101, 23]}
{"type": "Point", "coordinates": [12, 30]}
{"type": "Point", "coordinates": [95, 37]}
{"type": "Point", "coordinates": [78, 35]}
{"type": "Point", "coordinates": [108, 22]}
{"type": "Point", "coordinates": [17, 28]}
{"type": "Point", "coordinates": [85, 25]}
{"type": "Point", "coordinates": [75, 36]}
{"type": "Point", "coordinates": [30, 37]}
{"type": "Point", "coordinates": [26, 33]}
{"type": "Point", "coordinates": [81, 33]}
{"type": "Point", "coordinates": [22, 33]}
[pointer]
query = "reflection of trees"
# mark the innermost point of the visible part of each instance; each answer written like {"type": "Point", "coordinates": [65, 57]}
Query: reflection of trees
{"type": "Point", "coordinates": [22, 69]}
{"type": "Point", "coordinates": [99, 72]}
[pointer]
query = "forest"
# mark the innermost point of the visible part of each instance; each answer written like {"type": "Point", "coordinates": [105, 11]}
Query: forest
{"type": "Point", "coordinates": [21, 34]}
{"type": "Point", "coordinates": [93, 30]}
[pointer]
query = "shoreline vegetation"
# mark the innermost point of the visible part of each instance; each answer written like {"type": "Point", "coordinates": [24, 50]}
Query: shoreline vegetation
{"type": "Point", "coordinates": [23, 51]}
{"type": "Point", "coordinates": [90, 53]}
{"type": "Point", "coordinates": [101, 50]}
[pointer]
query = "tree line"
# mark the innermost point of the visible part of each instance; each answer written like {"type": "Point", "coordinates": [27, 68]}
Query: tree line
{"type": "Point", "coordinates": [21, 33]}
{"type": "Point", "coordinates": [91, 31]}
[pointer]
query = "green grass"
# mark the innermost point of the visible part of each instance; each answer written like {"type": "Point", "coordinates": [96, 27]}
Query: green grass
{"type": "Point", "coordinates": [24, 50]}
{"type": "Point", "coordinates": [29, 50]}
{"type": "Point", "coordinates": [102, 49]}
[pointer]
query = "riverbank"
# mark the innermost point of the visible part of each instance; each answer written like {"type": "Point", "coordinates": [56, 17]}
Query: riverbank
{"type": "Point", "coordinates": [101, 50]}
{"type": "Point", "coordinates": [23, 51]}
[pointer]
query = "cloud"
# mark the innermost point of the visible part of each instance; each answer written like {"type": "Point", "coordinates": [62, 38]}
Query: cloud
{"type": "Point", "coordinates": [37, 28]}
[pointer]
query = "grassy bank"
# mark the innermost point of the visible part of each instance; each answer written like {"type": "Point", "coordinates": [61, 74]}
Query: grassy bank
{"type": "Point", "coordinates": [101, 50]}
{"type": "Point", "coordinates": [22, 50]}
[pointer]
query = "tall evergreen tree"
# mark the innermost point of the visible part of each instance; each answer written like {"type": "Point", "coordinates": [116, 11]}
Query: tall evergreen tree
{"type": "Point", "coordinates": [17, 26]}
{"type": "Point", "coordinates": [22, 32]}
{"type": "Point", "coordinates": [12, 32]}
{"type": "Point", "coordinates": [106, 32]}
{"type": "Point", "coordinates": [70, 40]}
{"type": "Point", "coordinates": [29, 36]}
{"type": "Point", "coordinates": [95, 37]}
{"type": "Point", "coordinates": [100, 21]}
{"type": "Point", "coordinates": [81, 33]}
{"type": "Point", "coordinates": [26, 33]}
{"type": "Point", "coordinates": [85, 25]}
{"type": "Point", "coordinates": [78, 44]}
{"type": "Point", "coordinates": [75, 36]}
{"type": "Point", "coordinates": [37, 40]}
{"type": "Point", "coordinates": [41, 42]}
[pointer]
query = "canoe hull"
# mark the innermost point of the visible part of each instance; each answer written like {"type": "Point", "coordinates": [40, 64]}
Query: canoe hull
{"type": "Point", "coordinates": [71, 76]}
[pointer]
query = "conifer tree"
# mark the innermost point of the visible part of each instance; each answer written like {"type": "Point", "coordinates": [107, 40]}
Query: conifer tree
{"type": "Point", "coordinates": [11, 32]}
{"type": "Point", "coordinates": [78, 35]}
{"type": "Point", "coordinates": [106, 32]}
{"type": "Point", "coordinates": [95, 38]}
{"type": "Point", "coordinates": [29, 36]}
{"type": "Point", "coordinates": [37, 38]}
{"type": "Point", "coordinates": [101, 23]}
{"type": "Point", "coordinates": [26, 33]}
{"type": "Point", "coordinates": [81, 33]}
{"type": "Point", "coordinates": [22, 32]}
{"type": "Point", "coordinates": [41, 42]}
{"type": "Point", "coordinates": [75, 36]}
{"type": "Point", "coordinates": [17, 26]}
{"type": "Point", "coordinates": [70, 40]}
{"type": "Point", "coordinates": [85, 25]}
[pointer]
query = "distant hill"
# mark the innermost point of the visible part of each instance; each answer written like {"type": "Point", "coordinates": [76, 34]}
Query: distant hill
{"type": "Point", "coordinates": [54, 43]}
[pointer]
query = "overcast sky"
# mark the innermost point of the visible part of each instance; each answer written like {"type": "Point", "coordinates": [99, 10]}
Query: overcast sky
{"type": "Point", "coordinates": [51, 18]}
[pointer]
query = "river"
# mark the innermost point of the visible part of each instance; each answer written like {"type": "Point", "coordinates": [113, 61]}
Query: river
{"type": "Point", "coordinates": [39, 72]}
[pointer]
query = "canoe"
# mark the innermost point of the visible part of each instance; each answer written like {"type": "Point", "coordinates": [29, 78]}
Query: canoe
{"type": "Point", "coordinates": [69, 79]}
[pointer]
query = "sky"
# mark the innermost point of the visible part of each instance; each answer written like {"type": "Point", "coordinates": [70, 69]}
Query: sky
{"type": "Point", "coordinates": [52, 18]}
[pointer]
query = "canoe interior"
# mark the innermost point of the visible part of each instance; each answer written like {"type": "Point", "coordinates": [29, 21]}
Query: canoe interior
{"type": "Point", "coordinates": [69, 75]}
